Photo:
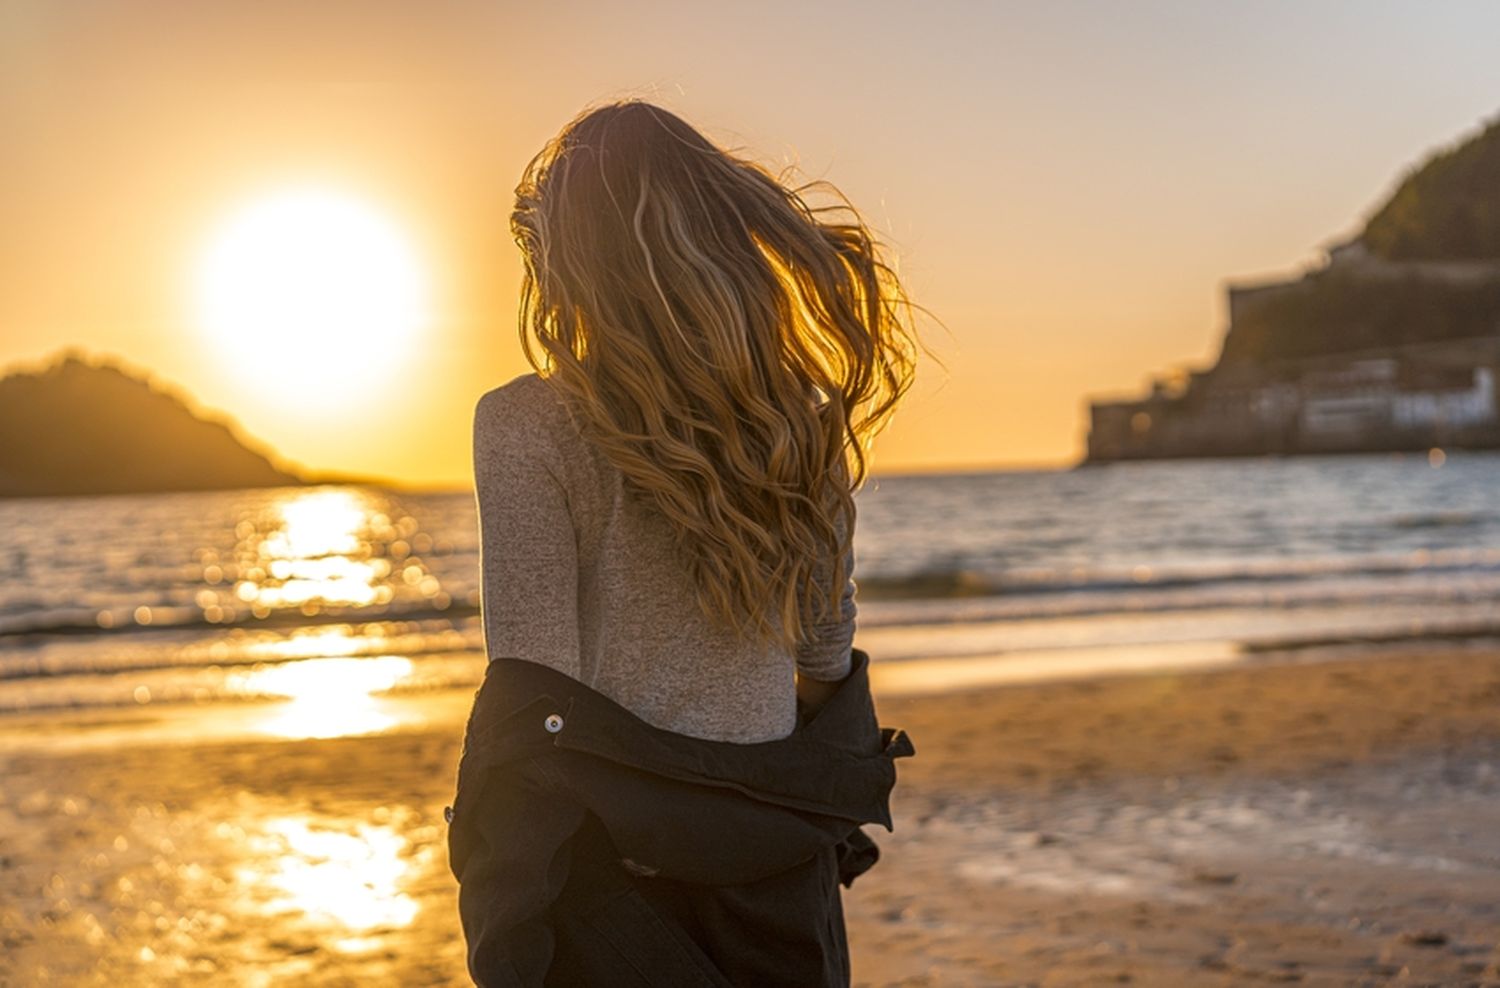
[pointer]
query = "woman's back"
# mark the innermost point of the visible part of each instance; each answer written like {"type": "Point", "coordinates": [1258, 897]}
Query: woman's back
{"type": "Point", "coordinates": [582, 577]}
{"type": "Point", "coordinates": [666, 515]}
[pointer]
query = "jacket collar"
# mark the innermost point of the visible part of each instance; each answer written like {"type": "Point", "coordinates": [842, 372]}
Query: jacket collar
{"type": "Point", "coordinates": [839, 763]}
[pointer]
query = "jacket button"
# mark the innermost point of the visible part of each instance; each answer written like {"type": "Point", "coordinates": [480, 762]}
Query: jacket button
{"type": "Point", "coordinates": [448, 813]}
{"type": "Point", "coordinates": [553, 723]}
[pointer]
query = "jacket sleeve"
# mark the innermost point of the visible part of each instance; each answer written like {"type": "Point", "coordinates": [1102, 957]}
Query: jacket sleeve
{"type": "Point", "coordinates": [517, 859]}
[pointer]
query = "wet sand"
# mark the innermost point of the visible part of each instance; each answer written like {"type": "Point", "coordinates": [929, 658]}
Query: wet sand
{"type": "Point", "coordinates": [1335, 823]}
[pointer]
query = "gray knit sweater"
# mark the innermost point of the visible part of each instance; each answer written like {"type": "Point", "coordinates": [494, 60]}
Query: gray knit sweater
{"type": "Point", "coordinates": [584, 579]}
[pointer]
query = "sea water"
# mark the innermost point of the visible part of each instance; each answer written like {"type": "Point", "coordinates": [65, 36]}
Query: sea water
{"type": "Point", "coordinates": [302, 593]}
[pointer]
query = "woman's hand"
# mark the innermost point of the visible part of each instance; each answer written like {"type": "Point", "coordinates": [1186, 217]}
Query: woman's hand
{"type": "Point", "coordinates": [813, 693]}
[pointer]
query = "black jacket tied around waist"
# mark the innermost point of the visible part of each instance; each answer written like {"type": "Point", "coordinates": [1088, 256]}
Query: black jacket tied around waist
{"type": "Point", "coordinates": [591, 847]}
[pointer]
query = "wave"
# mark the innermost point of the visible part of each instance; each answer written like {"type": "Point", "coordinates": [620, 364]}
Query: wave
{"type": "Point", "coordinates": [1442, 519]}
{"type": "Point", "coordinates": [86, 621]}
{"type": "Point", "coordinates": [1018, 593]}
{"type": "Point", "coordinates": [962, 581]}
{"type": "Point", "coordinates": [414, 637]}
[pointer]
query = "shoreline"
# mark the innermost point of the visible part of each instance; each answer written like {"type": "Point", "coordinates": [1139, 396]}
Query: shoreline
{"type": "Point", "coordinates": [1323, 823]}
{"type": "Point", "coordinates": [256, 719]}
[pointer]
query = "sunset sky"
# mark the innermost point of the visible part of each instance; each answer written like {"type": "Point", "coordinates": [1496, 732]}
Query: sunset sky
{"type": "Point", "coordinates": [1067, 185]}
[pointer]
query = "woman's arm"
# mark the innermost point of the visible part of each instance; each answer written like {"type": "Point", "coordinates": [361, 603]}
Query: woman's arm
{"type": "Point", "coordinates": [823, 663]}
{"type": "Point", "coordinates": [528, 547]}
{"type": "Point", "coordinates": [813, 693]}
{"type": "Point", "coordinates": [825, 657]}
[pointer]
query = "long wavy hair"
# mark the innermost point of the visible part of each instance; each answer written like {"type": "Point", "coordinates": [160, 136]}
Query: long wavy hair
{"type": "Point", "coordinates": [729, 347]}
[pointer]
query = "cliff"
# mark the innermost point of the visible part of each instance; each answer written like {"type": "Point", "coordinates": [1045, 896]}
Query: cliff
{"type": "Point", "coordinates": [1425, 269]}
{"type": "Point", "coordinates": [76, 427]}
{"type": "Point", "coordinates": [1392, 344]}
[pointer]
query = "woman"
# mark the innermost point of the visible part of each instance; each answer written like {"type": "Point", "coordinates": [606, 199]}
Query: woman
{"type": "Point", "coordinates": [666, 767]}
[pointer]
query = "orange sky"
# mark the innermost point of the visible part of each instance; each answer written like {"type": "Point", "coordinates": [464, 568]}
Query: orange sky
{"type": "Point", "coordinates": [1067, 185]}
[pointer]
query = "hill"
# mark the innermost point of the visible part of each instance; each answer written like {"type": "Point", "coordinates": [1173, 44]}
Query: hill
{"type": "Point", "coordinates": [1425, 269]}
{"type": "Point", "coordinates": [1448, 208]}
{"type": "Point", "coordinates": [1392, 344]}
{"type": "Point", "coordinates": [78, 427]}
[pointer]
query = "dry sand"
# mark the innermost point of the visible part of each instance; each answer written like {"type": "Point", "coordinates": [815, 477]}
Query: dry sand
{"type": "Point", "coordinates": [1334, 823]}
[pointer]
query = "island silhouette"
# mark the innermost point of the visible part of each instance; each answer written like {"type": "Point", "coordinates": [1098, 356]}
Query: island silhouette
{"type": "Point", "coordinates": [90, 425]}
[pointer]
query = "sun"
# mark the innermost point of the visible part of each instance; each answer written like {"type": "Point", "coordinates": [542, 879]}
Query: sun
{"type": "Point", "coordinates": [311, 296]}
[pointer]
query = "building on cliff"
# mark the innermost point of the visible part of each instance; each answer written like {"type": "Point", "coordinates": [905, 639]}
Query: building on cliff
{"type": "Point", "coordinates": [1406, 398]}
{"type": "Point", "coordinates": [1392, 343]}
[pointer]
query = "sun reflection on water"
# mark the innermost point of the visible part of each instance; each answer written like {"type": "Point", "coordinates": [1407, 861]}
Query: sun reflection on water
{"type": "Point", "coordinates": [330, 697]}
{"type": "Point", "coordinates": [349, 878]}
{"type": "Point", "coordinates": [325, 551]}
{"type": "Point", "coordinates": [319, 643]}
{"type": "Point", "coordinates": [320, 523]}
{"type": "Point", "coordinates": [318, 555]}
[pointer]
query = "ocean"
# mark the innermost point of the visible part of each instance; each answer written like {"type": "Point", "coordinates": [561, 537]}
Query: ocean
{"type": "Point", "coordinates": [224, 599]}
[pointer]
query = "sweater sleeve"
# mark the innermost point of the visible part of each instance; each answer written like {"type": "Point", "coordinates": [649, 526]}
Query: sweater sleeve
{"type": "Point", "coordinates": [528, 547]}
{"type": "Point", "coordinates": [826, 654]}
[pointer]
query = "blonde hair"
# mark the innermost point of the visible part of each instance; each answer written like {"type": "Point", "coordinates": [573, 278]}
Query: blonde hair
{"type": "Point", "coordinates": [731, 349]}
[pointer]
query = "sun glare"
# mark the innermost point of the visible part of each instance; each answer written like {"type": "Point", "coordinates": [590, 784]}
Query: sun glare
{"type": "Point", "coordinates": [312, 295]}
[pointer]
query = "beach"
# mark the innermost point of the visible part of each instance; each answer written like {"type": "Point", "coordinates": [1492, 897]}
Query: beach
{"type": "Point", "coordinates": [1328, 822]}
